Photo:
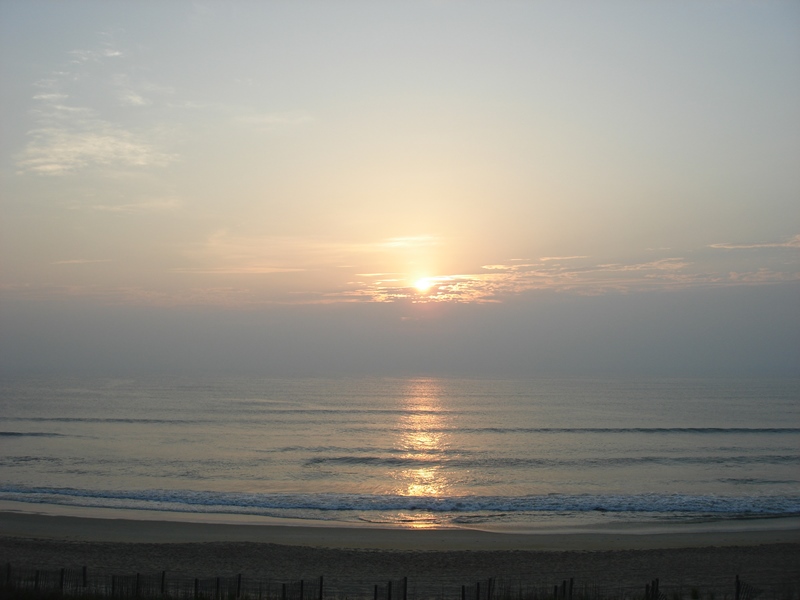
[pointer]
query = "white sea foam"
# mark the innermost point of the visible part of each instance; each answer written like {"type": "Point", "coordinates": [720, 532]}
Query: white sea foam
{"type": "Point", "coordinates": [193, 501]}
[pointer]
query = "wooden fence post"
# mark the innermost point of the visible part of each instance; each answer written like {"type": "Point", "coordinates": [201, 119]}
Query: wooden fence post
{"type": "Point", "coordinates": [163, 582]}
{"type": "Point", "coordinates": [463, 592]}
{"type": "Point", "coordinates": [283, 592]}
{"type": "Point", "coordinates": [85, 579]}
{"type": "Point", "coordinates": [238, 585]}
{"type": "Point", "coordinates": [389, 591]}
{"type": "Point", "coordinates": [61, 582]}
{"type": "Point", "coordinates": [738, 588]}
{"type": "Point", "coordinates": [320, 587]}
{"type": "Point", "coordinates": [196, 587]}
{"type": "Point", "coordinates": [405, 588]}
{"type": "Point", "coordinates": [376, 592]}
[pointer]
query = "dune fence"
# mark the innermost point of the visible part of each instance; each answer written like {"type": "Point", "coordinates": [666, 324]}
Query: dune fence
{"type": "Point", "coordinates": [80, 583]}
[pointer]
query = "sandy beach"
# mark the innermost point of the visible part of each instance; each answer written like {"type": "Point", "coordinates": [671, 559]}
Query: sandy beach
{"type": "Point", "coordinates": [765, 553]}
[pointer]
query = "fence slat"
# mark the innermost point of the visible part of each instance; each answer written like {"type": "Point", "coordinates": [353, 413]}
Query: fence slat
{"type": "Point", "coordinates": [75, 582]}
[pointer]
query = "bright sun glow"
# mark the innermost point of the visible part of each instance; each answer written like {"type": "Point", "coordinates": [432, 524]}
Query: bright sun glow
{"type": "Point", "coordinates": [423, 285]}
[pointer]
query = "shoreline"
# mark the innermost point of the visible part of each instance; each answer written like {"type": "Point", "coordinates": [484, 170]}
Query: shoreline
{"type": "Point", "coordinates": [79, 524]}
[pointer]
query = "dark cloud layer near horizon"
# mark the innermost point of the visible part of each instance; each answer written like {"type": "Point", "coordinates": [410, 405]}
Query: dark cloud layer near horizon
{"type": "Point", "coordinates": [742, 331]}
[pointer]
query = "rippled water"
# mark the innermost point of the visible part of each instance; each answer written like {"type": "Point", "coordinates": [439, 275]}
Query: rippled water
{"type": "Point", "coordinates": [419, 452]}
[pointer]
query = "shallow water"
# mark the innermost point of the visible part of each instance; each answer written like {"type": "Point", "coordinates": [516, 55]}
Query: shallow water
{"type": "Point", "coordinates": [413, 452]}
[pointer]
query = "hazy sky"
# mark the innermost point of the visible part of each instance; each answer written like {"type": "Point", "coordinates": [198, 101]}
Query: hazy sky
{"type": "Point", "coordinates": [440, 187]}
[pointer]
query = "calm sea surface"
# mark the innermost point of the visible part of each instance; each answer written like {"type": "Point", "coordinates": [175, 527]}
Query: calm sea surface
{"type": "Point", "coordinates": [415, 452]}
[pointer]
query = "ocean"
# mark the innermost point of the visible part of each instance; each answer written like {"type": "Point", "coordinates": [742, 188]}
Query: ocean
{"type": "Point", "coordinates": [407, 452]}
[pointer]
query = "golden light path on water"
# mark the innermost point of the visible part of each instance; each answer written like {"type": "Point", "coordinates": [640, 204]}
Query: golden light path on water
{"type": "Point", "coordinates": [422, 438]}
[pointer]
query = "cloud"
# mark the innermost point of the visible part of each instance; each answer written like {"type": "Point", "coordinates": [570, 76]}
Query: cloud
{"type": "Point", "coordinates": [80, 57]}
{"type": "Point", "coordinates": [344, 266]}
{"type": "Point", "coordinates": [549, 258]}
{"type": "Point", "coordinates": [207, 295]}
{"type": "Point", "coordinates": [575, 275]}
{"type": "Point", "coordinates": [80, 261]}
{"type": "Point", "coordinates": [52, 98]}
{"type": "Point", "coordinates": [153, 205]}
{"type": "Point", "coordinates": [81, 110]}
{"type": "Point", "coordinates": [792, 243]}
{"type": "Point", "coordinates": [58, 151]}
{"type": "Point", "coordinates": [305, 270]}
{"type": "Point", "coordinates": [664, 264]}
{"type": "Point", "coordinates": [762, 275]}
{"type": "Point", "coordinates": [226, 252]}
{"type": "Point", "coordinates": [139, 93]}
{"type": "Point", "coordinates": [242, 270]}
{"type": "Point", "coordinates": [274, 120]}
{"type": "Point", "coordinates": [412, 241]}
{"type": "Point", "coordinates": [71, 133]}
{"type": "Point", "coordinates": [131, 98]}
{"type": "Point", "coordinates": [307, 252]}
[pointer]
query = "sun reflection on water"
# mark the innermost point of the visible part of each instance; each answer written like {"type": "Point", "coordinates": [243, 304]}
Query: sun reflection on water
{"type": "Point", "coordinates": [423, 441]}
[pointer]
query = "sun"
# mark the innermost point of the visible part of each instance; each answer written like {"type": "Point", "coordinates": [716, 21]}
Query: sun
{"type": "Point", "coordinates": [423, 285]}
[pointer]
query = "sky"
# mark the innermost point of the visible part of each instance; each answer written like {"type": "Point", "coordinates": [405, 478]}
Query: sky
{"type": "Point", "coordinates": [423, 187]}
